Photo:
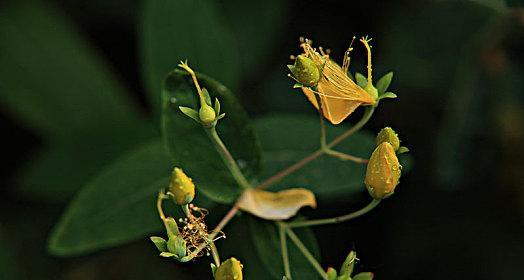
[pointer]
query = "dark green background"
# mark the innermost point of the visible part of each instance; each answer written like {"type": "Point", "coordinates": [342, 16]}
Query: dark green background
{"type": "Point", "coordinates": [458, 214]}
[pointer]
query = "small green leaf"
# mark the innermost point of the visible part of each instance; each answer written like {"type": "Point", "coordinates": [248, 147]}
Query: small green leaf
{"type": "Point", "coordinates": [217, 106]}
{"type": "Point", "coordinates": [192, 149]}
{"type": "Point", "coordinates": [206, 96]}
{"type": "Point", "coordinates": [167, 255]}
{"type": "Point", "coordinates": [298, 85]}
{"type": "Point", "coordinates": [384, 82]}
{"type": "Point", "coordinates": [347, 267]}
{"type": "Point", "coordinates": [213, 269]}
{"type": "Point", "coordinates": [363, 276]}
{"type": "Point", "coordinates": [267, 245]}
{"type": "Point", "coordinates": [160, 243]}
{"type": "Point", "coordinates": [402, 150]}
{"type": "Point", "coordinates": [362, 81]}
{"type": "Point", "coordinates": [190, 113]}
{"type": "Point", "coordinates": [388, 94]}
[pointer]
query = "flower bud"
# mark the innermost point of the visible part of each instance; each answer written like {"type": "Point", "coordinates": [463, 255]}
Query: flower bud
{"type": "Point", "coordinates": [231, 269]}
{"type": "Point", "coordinates": [206, 114]}
{"type": "Point", "coordinates": [177, 246]}
{"type": "Point", "coordinates": [383, 171]}
{"type": "Point", "coordinates": [305, 71]}
{"type": "Point", "coordinates": [387, 134]}
{"type": "Point", "coordinates": [331, 273]}
{"type": "Point", "coordinates": [181, 187]}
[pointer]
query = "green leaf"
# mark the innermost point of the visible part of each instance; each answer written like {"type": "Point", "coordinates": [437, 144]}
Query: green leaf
{"type": "Point", "coordinates": [287, 138]}
{"type": "Point", "coordinates": [190, 113]}
{"type": "Point", "coordinates": [258, 36]}
{"type": "Point", "coordinates": [117, 206]}
{"type": "Point", "coordinates": [402, 150]}
{"type": "Point", "coordinates": [49, 77]}
{"type": "Point", "coordinates": [384, 82]}
{"type": "Point", "coordinates": [160, 243]}
{"type": "Point", "coordinates": [388, 94]}
{"type": "Point", "coordinates": [52, 82]}
{"type": "Point", "coordinates": [362, 81]}
{"type": "Point", "coordinates": [266, 241]}
{"type": "Point", "coordinates": [179, 30]}
{"type": "Point", "coordinates": [363, 276]}
{"type": "Point", "coordinates": [191, 148]}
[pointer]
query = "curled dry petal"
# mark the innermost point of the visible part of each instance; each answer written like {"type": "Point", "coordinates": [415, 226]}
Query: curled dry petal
{"type": "Point", "coordinates": [276, 205]}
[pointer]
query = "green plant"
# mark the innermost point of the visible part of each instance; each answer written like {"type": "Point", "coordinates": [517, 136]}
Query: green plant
{"type": "Point", "coordinates": [119, 160]}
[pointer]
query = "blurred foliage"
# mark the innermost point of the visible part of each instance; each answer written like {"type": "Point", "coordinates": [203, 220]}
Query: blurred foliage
{"type": "Point", "coordinates": [71, 73]}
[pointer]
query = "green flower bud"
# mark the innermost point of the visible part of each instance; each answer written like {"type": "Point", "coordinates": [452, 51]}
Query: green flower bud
{"type": "Point", "coordinates": [231, 269]}
{"type": "Point", "coordinates": [181, 187]}
{"type": "Point", "coordinates": [387, 134]}
{"type": "Point", "coordinates": [177, 246]}
{"type": "Point", "coordinates": [331, 273]}
{"type": "Point", "coordinates": [383, 171]}
{"type": "Point", "coordinates": [206, 114]}
{"type": "Point", "coordinates": [305, 71]}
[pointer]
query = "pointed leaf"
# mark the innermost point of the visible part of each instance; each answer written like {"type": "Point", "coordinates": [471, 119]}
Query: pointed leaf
{"type": "Point", "coordinates": [361, 80]}
{"type": "Point", "coordinates": [280, 205]}
{"type": "Point", "coordinates": [192, 149]}
{"type": "Point", "coordinates": [117, 206]}
{"type": "Point", "coordinates": [388, 94]}
{"type": "Point", "coordinates": [384, 82]}
{"type": "Point", "coordinates": [190, 113]}
{"type": "Point", "coordinates": [167, 255]}
{"type": "Point", "coordinates": [160, 243]}
{"type": "Point", "coordinates": [179, 30]}
{"type": "Point", "coordinates": [217, 106]}
{"type": "Point", "coordinates": [402, 150]}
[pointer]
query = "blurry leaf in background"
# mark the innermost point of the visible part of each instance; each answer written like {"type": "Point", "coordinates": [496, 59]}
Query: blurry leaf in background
{"type": "Point", "coordinates": [192, 149]}
{"type": "Point", "coordinates": [186, 29]}
{"type": "Point", "coordinates": [55, 84]}
{"type": "Point", "coordinates": [117, 206]}
{"type": "Point", "coordinates": [286, 139]}
{"type": "Point", "coordinates": [259, 33]}
{"type": "Point", "coordinates": [280, 205]}
{"type": "Point", "coordinates": [8, 267]}
{"type": "Point", "coordinates": [266, 241]}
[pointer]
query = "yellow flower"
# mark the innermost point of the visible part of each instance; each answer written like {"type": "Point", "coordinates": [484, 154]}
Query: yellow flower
{"type": "Point", "coordinates": [338, 94]}
{"type": "Point", "coordinates": [383, 171]}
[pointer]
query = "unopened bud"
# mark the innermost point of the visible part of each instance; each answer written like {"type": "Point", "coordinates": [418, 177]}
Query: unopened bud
{"type": "Point", "coordinates": [177, 246]}
{"type": "Point", "coordinates": [231, 269]}
{"type": "Point", "coordinates": [305, 71]}
{"type": "Point", "coordinates": [383, 171]}
{"type": "Point", "coordinates": [206, 114]}
{"type": "Point", "coordinates": [387, 134]}
{"type": "Point", "coordinates": [331, 273]}
{"type": "Point", "coordinates": [181, 187]}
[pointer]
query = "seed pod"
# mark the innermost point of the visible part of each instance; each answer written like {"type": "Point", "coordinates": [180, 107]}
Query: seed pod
{"type": "Point", "coordinates": [387, 134]}
{"type": "Point", "coordinates": [305, 71]}
{"type": "Point", "coordinates": [383, 171]}
{"type": "Point", "coordinates": [231, 269]}
{"type": "Point", "coordinates": [181, 187]}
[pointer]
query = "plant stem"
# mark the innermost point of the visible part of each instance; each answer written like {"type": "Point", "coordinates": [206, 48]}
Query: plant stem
{"type": "Point", "coordinates": [214, 252]}
{"type": "Point", "coordinates": [344, 156]}
{"type": "Point", "coordinates": [305, 252]}
{"type": "Point", "coordinates": [283, 246]}
{"type": "Point", "coordinates": [338, 219]}
{"type": "Point", "coordinates": [296, 166]}
{"type": "Point", "coordinates": [227, 158]}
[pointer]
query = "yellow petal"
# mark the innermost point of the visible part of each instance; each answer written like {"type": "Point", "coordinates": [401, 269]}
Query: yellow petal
{"type": "Point", "coordinates": [276, 206]}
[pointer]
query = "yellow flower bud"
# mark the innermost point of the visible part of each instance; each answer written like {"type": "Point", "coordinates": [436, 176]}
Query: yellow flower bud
{"type": "Point", "coordinates": [383, 171]}
{"type": "Point", "coordinates": [231, 269]}
{"type": "Point", "coordinates": [305, 71]}
{"type": "Point", "coordinates": [181, 187]}
{"type": "Point", "coordinates": [387, 134]}
{"type": "Point", "coordinates": [206, 114]}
